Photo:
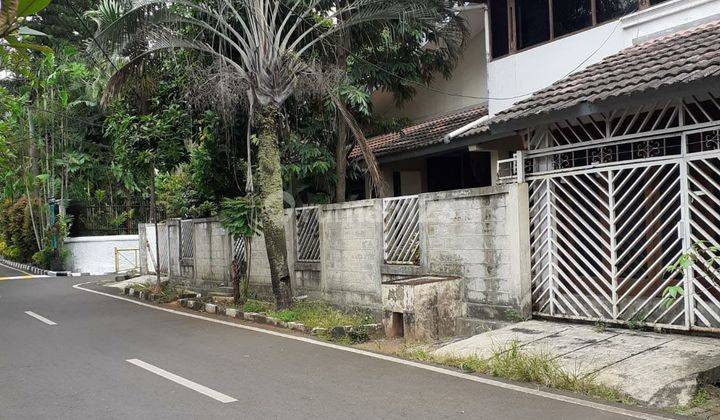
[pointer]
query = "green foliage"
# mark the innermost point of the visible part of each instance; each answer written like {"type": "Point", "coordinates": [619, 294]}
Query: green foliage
{"type": "Point", "coordinates": [240, 216]}
{"type": "Point", "coordinates": [322, 315]}
{"type": "Point", "coordinates": [17, 231]}
{"type": "Point", "coordinates": [53, 254]}
{"type": "Point", "coordinates": [257, 306]}
{"type": "Point", "coordinates": [703, 254]}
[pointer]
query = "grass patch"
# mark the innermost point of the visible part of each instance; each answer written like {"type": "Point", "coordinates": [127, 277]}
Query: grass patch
{"type": "Point", "coordinates": [310, 313]}
{"type": "Point", "coordinates": [702, 398]}
{"type": "Point", "coordinates": [167, 292]}
{"type": "Point", "coordinates": [512, 363]}
{"type": "Point", "coordinates": [254, 305]}
{"type": "Point", "coordinates": [319, 314]}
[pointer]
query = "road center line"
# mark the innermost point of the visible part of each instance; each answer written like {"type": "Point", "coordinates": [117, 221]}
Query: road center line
{"type": "Point", "coordinates": [182, 381]}
{"type": "Point", "coordinates": [40, 318]}
{"type": "Point", "coordinates": [437, 369]}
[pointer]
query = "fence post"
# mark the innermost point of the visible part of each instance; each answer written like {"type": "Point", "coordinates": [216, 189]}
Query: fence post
{"type": "Point", "coordinates": [520, 166]}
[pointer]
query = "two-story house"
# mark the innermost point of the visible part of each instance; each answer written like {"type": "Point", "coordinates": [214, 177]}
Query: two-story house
{"type": "Point", "coordinates": [609, 110]}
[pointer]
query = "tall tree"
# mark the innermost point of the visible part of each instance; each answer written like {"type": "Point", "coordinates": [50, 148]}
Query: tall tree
{"type": "Point", "coordinates": [395, 56]}
{"type": "Point", "coordinates": [272, 47]}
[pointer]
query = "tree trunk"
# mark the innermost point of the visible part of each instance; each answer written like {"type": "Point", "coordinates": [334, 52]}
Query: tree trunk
{"type": "Point", "coordinates": [271, 194]}
{"type": "Point", "coordinates": [342, 131]}
{"type": "Point", "coordinates": [341, 157]}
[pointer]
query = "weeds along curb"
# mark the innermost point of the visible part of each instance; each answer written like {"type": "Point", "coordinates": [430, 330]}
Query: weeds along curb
{"type": "Point", "coordinates": [340, 332]}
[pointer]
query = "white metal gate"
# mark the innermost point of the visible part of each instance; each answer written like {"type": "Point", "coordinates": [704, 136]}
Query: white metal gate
{"type": "Point", "coordinates": [603, 232]}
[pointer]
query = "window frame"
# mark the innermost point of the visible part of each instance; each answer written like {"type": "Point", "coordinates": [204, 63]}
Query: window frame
{"type": "Point", "coordinates": [512, 26]}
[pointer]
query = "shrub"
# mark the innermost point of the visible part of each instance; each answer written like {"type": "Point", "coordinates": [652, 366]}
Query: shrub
{"type": "Point", "coordinates": [16, 230]}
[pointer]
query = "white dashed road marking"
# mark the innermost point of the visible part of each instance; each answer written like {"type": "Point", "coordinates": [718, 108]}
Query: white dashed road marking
{"type": "Point", "coordinates": [182, 381]}
{"type": "Point", "coordinates": [445, 371]}
{"type": "Point", "coordinates": [40, 318]}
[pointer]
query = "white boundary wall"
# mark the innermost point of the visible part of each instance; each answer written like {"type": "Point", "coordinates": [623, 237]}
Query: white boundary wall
{"type": "Point", "coordinates": [96, 254]}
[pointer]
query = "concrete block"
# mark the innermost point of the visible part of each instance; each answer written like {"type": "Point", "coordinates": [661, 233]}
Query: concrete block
{"type": "Point", "coordinates": [662, 370]}
{"type": "Point", "coordinates": [271, 321]}
{"type": "Point", "coordinates": [318, 331]}
{"type": "Point", "coordinates": [338, 332]}
{"type": "Point", "coordinates": [233, 313]}
{"type": "Point", "coordinates": [261, 318]}
{"type": "Point", "coordinates": [296, 326]}
{"type": "Point", "coordinates": [249, 316]}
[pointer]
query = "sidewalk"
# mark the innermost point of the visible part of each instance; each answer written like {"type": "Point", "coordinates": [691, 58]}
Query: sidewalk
{"type": "Point", "coordinates": [662, 370]}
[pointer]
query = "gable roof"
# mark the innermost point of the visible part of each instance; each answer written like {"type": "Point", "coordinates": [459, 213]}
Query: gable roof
{"type": "Point", "coordinates": [682, 57]}
{"type": "Point", "coordinates": [424, 134]}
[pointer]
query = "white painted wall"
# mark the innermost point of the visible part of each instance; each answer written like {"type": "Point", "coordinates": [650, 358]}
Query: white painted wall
{"type": "Point", "coordinates": [468, 78]}
{"type": "Point", "coordinates": [518, 75]}
{"type": "Point", "coordinates": [96, 254]}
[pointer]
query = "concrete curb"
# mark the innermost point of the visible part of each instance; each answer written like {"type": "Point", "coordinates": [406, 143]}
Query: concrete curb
{"type": "Point", "coordinates": [371, 331]}
{"type": "Point", "coordinates": [28, 268]}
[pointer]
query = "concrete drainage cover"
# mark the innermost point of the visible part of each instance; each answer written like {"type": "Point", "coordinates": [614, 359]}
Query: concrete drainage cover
{"type": "Point", "coordinates": [662, 370]}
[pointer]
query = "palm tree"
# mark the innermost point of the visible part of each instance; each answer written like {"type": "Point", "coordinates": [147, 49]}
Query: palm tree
{"type": "Point", "coordinates": [272, 47]}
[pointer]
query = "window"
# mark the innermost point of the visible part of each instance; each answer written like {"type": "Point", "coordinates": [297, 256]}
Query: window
{"type": "Point", "coordinates": [571, 16]}
{"type": "Point", "coordinates": [612, 9]}
{"type": "Point", "coordinates": [499, 27]}
{"type": "Point", "coordinates": [532, 20]}
{"type": "Point", "coordinates": [520, 24]}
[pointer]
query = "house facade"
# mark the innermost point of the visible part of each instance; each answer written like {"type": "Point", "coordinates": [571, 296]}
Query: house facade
{"type": "Point", "coordinates": [572, 158]}
{"type": "Point", "coordinates": [609, 112]}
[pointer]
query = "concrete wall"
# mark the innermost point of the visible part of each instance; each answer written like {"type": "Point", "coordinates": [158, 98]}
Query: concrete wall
{"type": "Point", "coordinates": [478, 234]}
{"type": "Point", "coordinates": [482, 236]}
{"type": "Point", "coordinates": [96, 254]}
{"type": "Point", "coordinates": [213, 252]}
{"type": "Point", "coordinates": [351, 253]}
{"type": "Point", "coordinates": [519, 75]}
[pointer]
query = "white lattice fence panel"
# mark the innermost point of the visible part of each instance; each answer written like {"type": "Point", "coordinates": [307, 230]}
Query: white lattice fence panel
{"type": "Point", "coordinates": [648, 238]}
{"type": "Point", "coordinates": [401, 230]}
{"type": "Point", "coordinates": [540, 235]}
{"type": "Point", "coordinates": [704, 211]}
{"type": "Point", "coordinates": [187, 246]}
{"type": "Point", "coordinates": [579, 235]}
{"type": "Point", "coordinates": [239, 247]}
{"type": "Point", "coordinates": [163, 247]}
{"type": "Point", "coordinates": [307, 231]}
{"type": "Point", "coordinates": [601, 242]}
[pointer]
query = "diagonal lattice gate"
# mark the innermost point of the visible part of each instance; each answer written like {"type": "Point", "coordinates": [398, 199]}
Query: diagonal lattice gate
{"type": "Point", "coordinates": [602, 239]}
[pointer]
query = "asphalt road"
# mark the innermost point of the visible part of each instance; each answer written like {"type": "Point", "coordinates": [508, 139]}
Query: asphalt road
{"type": "Point", "coordinates": [79, 369]}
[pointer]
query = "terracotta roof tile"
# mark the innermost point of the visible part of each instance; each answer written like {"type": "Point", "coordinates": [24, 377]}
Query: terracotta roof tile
{"type": "Point", "coordinates": [424, 134]}
{"type": "Point", "coordinates": [681, 57]}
